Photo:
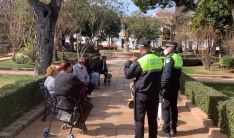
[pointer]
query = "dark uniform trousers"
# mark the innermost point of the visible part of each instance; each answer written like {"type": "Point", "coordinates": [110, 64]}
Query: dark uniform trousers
{"type": "Point", "coordinates": [170, 110]}
{"type": "Point", "coordinates": [147, 71]}
{"type": "Point", "coordinates": [145, 104]}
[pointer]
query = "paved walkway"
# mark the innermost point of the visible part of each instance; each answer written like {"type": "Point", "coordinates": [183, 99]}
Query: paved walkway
{"type": "Point", "coordinates": [6, 57]}
{"type": "Point", "coordinates": [213, 79]}
{"type": "Point", "coordinates": [17, 72]}
{"type": "Point", "coordinates": [111, 117]}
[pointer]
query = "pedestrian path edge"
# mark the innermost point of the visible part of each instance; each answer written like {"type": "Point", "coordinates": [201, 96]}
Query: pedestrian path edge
{"type": "Point", "coordinates": [20, 124]}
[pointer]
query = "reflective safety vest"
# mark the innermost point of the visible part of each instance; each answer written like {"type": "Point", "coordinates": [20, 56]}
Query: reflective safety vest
{"type": "Point", "coordinates": [150, 62]}
{"type": "Point", "coordinates": [178, 61]}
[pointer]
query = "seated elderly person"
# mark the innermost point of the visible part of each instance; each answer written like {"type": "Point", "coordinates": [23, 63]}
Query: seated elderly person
{"type": "Point", "coordinates": [88, 65]}
{"type": "Point", "coordinates": [101, 67]}
{"type": "Point", "coordinates": [80, 71]}
{"type": "Point", "coordinates": [68, 85]}
{"type": "Point", "coordinates": [50, 80]}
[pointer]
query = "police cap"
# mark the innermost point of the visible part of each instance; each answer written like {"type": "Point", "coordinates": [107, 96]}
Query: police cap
{"type": "Point", "coordinates": [171, 44]}
{"type": "Point", "coordinates": [144, 42]}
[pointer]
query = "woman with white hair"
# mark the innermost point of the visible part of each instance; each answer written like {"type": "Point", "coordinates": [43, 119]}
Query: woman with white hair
{"type": "Point", "coordinates": [50, 80]}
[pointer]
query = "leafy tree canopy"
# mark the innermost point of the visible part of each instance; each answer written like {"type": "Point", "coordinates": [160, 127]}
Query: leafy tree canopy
{"type": "Point", "coordinates": [91, 19]}
{"type": "Point", "coordinates": [213, 13]}
{"type": "Point", "coordinates": [145, 5]}
{"type": "Point", "coordinates": [143, 27]}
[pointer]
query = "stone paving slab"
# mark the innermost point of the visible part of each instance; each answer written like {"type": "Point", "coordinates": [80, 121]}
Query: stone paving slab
{"type": "Point", "coordinates": [111, 117]}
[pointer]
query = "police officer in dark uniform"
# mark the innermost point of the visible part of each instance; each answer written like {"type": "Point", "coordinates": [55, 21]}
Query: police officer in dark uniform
{"type": "Point", "coordinates": [147, 70]}
{"type": "Point", "coordinates": [170, 84]}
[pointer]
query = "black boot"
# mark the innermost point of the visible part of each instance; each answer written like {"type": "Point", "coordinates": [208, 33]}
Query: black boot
{"type": "Point", "coordinates": [164, 133]}
{"type": "Point", "coordinates": [173, 132]}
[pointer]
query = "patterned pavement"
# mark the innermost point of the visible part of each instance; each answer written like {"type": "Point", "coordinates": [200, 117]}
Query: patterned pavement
{"type": "Point", "coordinates": [111, 117]}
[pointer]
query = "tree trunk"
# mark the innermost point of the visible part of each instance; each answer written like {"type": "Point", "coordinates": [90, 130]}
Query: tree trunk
{"type": "Point", "coordinates": [233, 12]}
{"type": "Point", "coordinates": [56, 43]}
{"type": "Point", "coordinates": [78, 46]}
{"type": "Point", "coordinates": [47, 15]}
{"type": "Point", "coordinates": [72, 43]}
{"type": "Point", "coordinates": [14, 52]}
{"type": "Point", "coordinates": [197, 49]}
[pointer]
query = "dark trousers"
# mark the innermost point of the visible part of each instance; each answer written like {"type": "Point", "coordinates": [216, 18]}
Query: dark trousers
{"type": "Point", "coordinates": [145, 104]}
{"type": "Point", "coordinates": [105, 76]}
{"type": "Point", "coordinates": [170, 111]}
{"type": "Point", "coordinates": [91, 87]}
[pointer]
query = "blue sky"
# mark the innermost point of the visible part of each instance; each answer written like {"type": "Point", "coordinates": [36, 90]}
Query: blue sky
{"type": "Point", "coordinates": [133, 8]}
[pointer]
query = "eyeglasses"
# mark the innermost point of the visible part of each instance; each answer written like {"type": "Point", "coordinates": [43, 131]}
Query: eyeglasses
{"type": "Point", "coordinates": [81, 62]}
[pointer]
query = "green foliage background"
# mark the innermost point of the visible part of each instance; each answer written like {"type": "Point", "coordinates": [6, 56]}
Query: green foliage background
{"type": "Point", "coordinates": [213, 13]}
{"type": "Point", "coordinates": [143, 27]}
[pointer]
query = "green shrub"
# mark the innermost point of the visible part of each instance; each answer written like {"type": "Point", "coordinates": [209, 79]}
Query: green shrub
{"type": "Point", "coordinates": [226, 121]}
{"type": "Point", "coordinates": [71, 56]}
{"type": "Point", "coordinates": [189, 61]}
{"type": "Point", "coordinates": [17, 98]}
{"type": "Point", "coordinates": [30, 50]}
{"type": "Point", "coordinates": [226, 62]}
{"type": "Point", "coordinates": [4, 50]}
{"type": "Point", "coordinates": [166, 37]}
{"type": "Point", "coordinates": [189, 55]}
{"type": "Point", "coordinates": [22, 59]}
{"type": "Point", "coordinates": [90, 49]}
{"type": "Point", "coordinates": [219, 107]}
{"type": "Point", "coordinates": [192, 62]}
{"type": "Point", "coordinates": [204, 97]}
{"type": "Point", "coordinates": [94, 59]}
{"type": "Point", "coordinates": [183, 79]}
{"type": "Point", "coordinates": [106, 48]}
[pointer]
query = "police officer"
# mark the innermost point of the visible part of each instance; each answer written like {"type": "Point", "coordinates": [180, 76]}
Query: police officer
{"type": "Point", "coordinates": [147, 70]}
{"type": "Point", "coordinates": [170, 84]}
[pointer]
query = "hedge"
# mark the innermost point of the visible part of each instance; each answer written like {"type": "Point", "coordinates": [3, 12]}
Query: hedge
{"type": "Point", "coordinates": [218, 106]}
{"type": "Point", "coordinates": [226, 121]}
{"type": "Point", "coordinates": [192, 62]}
{"type": "Point", "coordinates": [71, 56]}
{"type": "Point", "coordinates": [18, 98]}
{"type": "Point", "coordinates": [4, 50]}
{"type": "Point", "coordinates": [203, 96]}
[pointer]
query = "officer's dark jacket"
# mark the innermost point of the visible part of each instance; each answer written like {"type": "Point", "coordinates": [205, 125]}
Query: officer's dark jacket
{"type": "Point", "coordinates": [171, 73]}
{"type": "Point", "coordinates": [147, 80]}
